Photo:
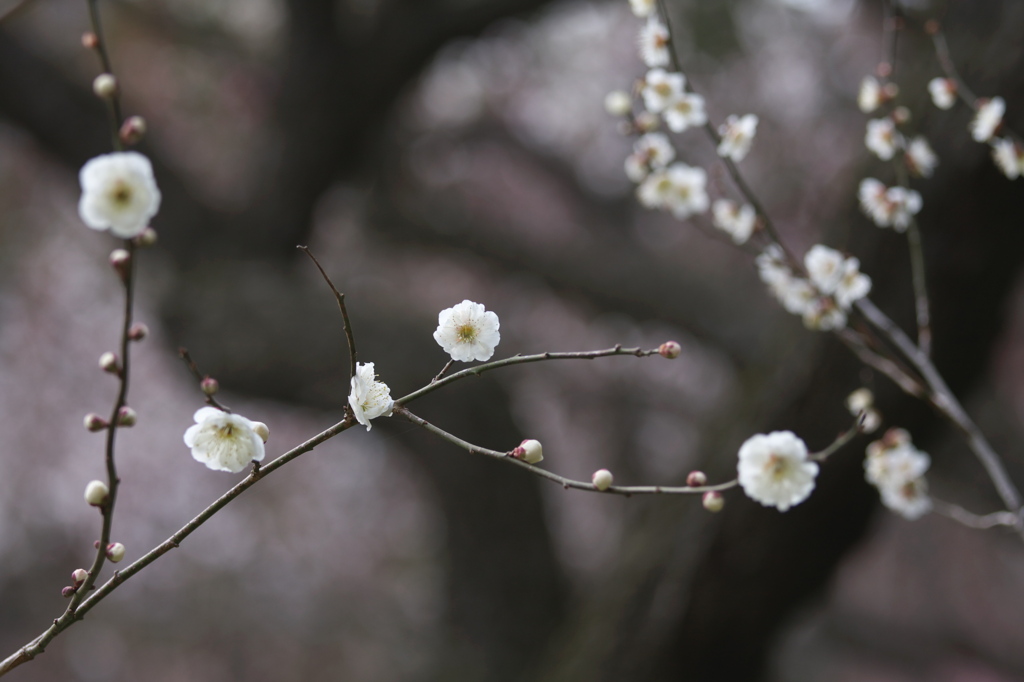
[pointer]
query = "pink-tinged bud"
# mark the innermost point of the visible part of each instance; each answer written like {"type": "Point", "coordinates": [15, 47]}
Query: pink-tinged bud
{"type": "Point", "coordinates": [713, 501]}
{"type": "Point", "coordinates": [884, 70]}
{"type": "Point", "coordinates": [126, 416]}
{"type": "Point", "coordinates": [695, 479]}
{"type": "Point", "coordinates": [209, 386]}
{"type": "Point", "coordinates": [115, 551]}
{"type": "Point", "coordinates": [901, 115]}
{"type": "Point", "coordinates": [138, 331]}
{"type": "Point", "coordinates": [532, 451]}
{"type": "Point", "coordinates": [890, 90]}
{"type": "Point", "coordinates": [94, 422]}
{"type": "Point", "coordinates": [146, 238]}
{"type": "Point", "coordinates": [121, 260]}
{"type": "Point", "coordinates": [132, 130]}
{"type": "Point", "coordinates": [261, 430]}
{"type": "Point", "coordinates": [105, 86]}
{"type": "Point", "coordinates": [67, 592]}
{"type": "Point", "coordinates": [79, 576]}
{"type": "Point", "coordinates": [602, 479]}
{"type": "Point", "coordinates": [670, 350]}
{"type": "Point", "coordinates": [893, 438]}
{"type": "Point", "coordinates": [109, 363]}
{"type": "Point", "coordinates": [89, 40]}
{"type": "Point", "coordinates": [645, 122]}
{"type": "Point", "coordinates": [96, 493]}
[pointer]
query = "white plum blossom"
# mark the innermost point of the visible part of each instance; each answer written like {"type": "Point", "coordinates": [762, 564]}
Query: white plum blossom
{"type": "Point", "coordinates": [737, 136]}
{"type": "Point", "coordinates": [897, 469]}
{"type": "Point", "coordinates": [654, 43]}
{"type": "Point", "coordinates": [735, 220]}
{"type": "Point", "coordinates": [642, 8]}
{"type": "Point", "coordinates": [888, 206]}
{"type": "Point", "coordinates": [369, 398]}
{"type": "Point", "coordinates": [650, 151]}
{"type": "Point", "coordinates": [774, 469]}
{"type": "Point", "coordinates": [882, 138]}
{"type": "Point", "coordinates": [943, 92]}
{"type": "Point", "coordinates": [661, 88]}
{"type": "Point", "coordinates": [853, 284]}
{"type": "Point", "coordinates": [920, 157]}
{"type": "Point", "coordinates": [869, 97]}
{"type": "Point", "coordinates": [836, 276]}
{"type": "Point", "coordinates": [824, 267]}
{"type": "Point", "coordinates": [1009, 157]}
{"type": "Point", "coordinates": [467, 331]}
{"type": "Point", "coordinates": [686, 111]}
{"type": "Point", "coordinates": [119, 193]}
{"type": "Point", "coordinates": [223, 441]}
{"type": "Point", "coordinates": [678, 188]}
{"type": "Point", "coordinates": [987, 119]}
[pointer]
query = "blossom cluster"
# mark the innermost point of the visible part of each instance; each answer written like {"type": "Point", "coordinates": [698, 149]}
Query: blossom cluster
{"type": "Point", "coordinates": [833, 284]}
{"type": "Point", "coordinates": [896, 468]}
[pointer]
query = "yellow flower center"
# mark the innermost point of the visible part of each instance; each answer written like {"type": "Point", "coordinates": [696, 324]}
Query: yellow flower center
{"type": "Point", "coordinates": [121, 193]}
{"type": "Point", "coordinates": [466, 333]}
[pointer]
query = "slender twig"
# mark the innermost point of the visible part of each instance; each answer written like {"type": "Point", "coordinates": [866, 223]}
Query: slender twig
{"type": "Point", "coordinates": [884, 365]}
{"type": "Point", "coordinates": [518, 360]}
{"type": "Point", "coordinates": [921, 307]}
{"type": "Point", "coordinates": [972, 520]}
{"type": "Point", "coordinates": [444, 370]}
{"type": "Point", "coordinates": [193, 369]}
{"type": "Point", "coordinates": [841, 440]}
{"type": "Point", "coordinates": [946, 62]}
{"type": "Point", "coordinates": [340, 297]}
{"type": "Point", "coordinates": [113, 102]}
{"type": "Point", "coordinates": [38, 645]}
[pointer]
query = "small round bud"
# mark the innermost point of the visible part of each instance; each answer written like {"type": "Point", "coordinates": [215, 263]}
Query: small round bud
{"type": "Point", "coordinates": [884, 70]}
{"type": "Point", "coordinates": [109, 363]}
{"type": "Point", "coordinates": [126, 416]}
{"type": "Point", "coordinates": [79, 576]}
{"type": "Point", "coordinates": [96, 493]}
{"type": "Point", "coordinates": [132, 130]}
{"type": "Point", "coordinates": [713, 501]}
{"type": "Point", "coordinates": [901, 115]}
{"type": "Point", "coordinates": [67, 591]}
{"type": "Point", "coordinates": [105, 86]}
{"type": "Point", "coordinates": [670, 350]}
{"type": "Point", "coordinates": [121, 260]}
{"type": "Point", "coordinates": [602, 479]}
{"type": "Point", "coordinates": [94, 422]}
{"type": "Point", "coordinates": [645, 122]}
{"type": "Point", "coordinates": [89, 40]}
{"type": "Point", "coordinates": [870, 421]}
{"type": "Point", "coordinates": [860, 400]}
{"type": "Point", "coordinates": [138, 331]}
{"type": "Point", "coordinates": [261, 430]}
{"type": "Point", "coordinates": [618, 103]}
{"type": "Point", "coordinates": [890, 90]}
{"type": "Point", "coordinates": [696, 479]}
{"type": "Point", "coordinates": [530, 451]}
{"type": "Point", "coordinates": [115, 551]}
{"type": "Point", "coordinates": [146, 238]}
{"type": "Point", "coordinates": [209, 386]}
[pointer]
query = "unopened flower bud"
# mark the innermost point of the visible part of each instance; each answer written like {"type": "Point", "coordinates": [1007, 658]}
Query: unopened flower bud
{"type": "Point", "coordinates": [96, 493]}
{"type": "Point", "coordinates": [884, 69]}
{"type": "Point", "coordinates": [645, 122]}
{"type": "Point", "coordinates": [618, 103]}
{"type": "Point", "coordinates": [115, 551]}
{"type": "Point", "coordinates": [901, 115]}
{"type": "Point", "coordinates": [146, 238]}
{"type": "Point", "coordinates": [890, 90]}
{"type": "Point", "coordinates": [138, 331]}
{"type": "Point", "coordinates": [670, 350]}
{"type": "Point", "coordinates": [105, 86]}
{"type": "Point", "coordinates": [261, 430]}
{"type": "Point", "coordinates": [120, 260]}
{"type": "Point", "coordinates": [94, 422]}
{"type": "Point", "coordinates": [89, 40]}
{"type": "Point", "coordinates": [67, 591]}
{"type": "Point", "coordinates": [860, 400]}
{"type": "Point", "coordinates": [109, 363]}
{"type": "Point", "coordinates": [713, 501]}
{"type": "Point", "coordinates": [79, 576]}
{"type": "Point", "coordinates": [870, 421]}
{"type": "Point", "coordinates": [132, 130]}
{"type": "Point", "coordinates": [695, 479]}
{"type": "Point", "coordinates": [895, 437]}
{"type": "Point", "coordinates": [530, 451]}
{"type": "Point", "coordinates": [126, 416]}
{"type": "Point", "coordinates": [209, 386]}
{"type": "Point", "coordinates": [602, 479]}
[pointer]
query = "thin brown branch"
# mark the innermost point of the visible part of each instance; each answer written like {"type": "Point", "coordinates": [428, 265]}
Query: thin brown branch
{"type": "Point", "coordinates": [340, 297]}
{"type": "Point", "coordinates": [193, 369]}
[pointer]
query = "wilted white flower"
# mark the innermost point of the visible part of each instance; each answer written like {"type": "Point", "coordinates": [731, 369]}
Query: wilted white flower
{"type": "Point", "coordinates": [642, 8]}
{"type": "Point", "coordinates": [943, 91]}
{"type": "Point", "coordinates": [618, 103]}
{"type": "Point", "coordinates": [119, 193]}
{"type": "Point", "coordinates": [888, 206]}
{"type": "Point", "coordinates": [467, 331]}
{"type": "Point", "coordinates": [223, 441]}
{"type": "Point", "coordinates": [921, 158]}
{"type": "Point", "coordinates": [735, 220]}
{"type": "Point", "coordinates": [369, 398]}
{"type": "Point", "coordinates": [737, 136]}
{"type": "Point", "coordinates": [870, 95]}
{"type": "Point", "coordinates": [882, 138]}
{"type": "Point", "coordinates": [686, 111]}
{"type": "Point", "coordinates": [650, 151]}
{"type": "Point", "coordinates": [654, 42]}
{"type": "Point", "coordinates": [774, 469]}
{"type": "Point", "coordinates": [678, 188]}
{"type": "Point", "coordinates": [661, 88]}
{"type": "Point", "coordinates": [987, 119]}
{"type": "Point", "coordinates": [1009, 156]}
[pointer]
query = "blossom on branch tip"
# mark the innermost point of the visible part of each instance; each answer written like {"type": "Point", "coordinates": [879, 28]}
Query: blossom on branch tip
{"type": "Point", "coordinates": [119, 193]}
{"type": "Point", "coordinates": [987, 119]}
{"type": "Point", "coordinates": [369, 398]}
{"type": "Point", "coordinates": [654, 43]}
{"type": "Point", "coordinates": [1009, 157]}
{"type": "Point", "coordinates": [943, 92]}
{"type": "Point", "coordinates": [882, 138]}
{"type": "Point", "coordinates": [467, 331]}
{"type": "Point", "coordinates": [774, 469]}
{"type": "Point", "coordinates": [735, 220]}
{"type": "Point", "coordinates": [737, 136]}
{"type": "Point", "coordinates": [223, 441]}
{"type": "Point", "coordinates": [661, 88]}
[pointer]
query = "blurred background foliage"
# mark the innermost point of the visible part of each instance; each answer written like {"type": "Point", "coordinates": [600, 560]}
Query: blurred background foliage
{"type": "Point", "coordinates": [434, 150]}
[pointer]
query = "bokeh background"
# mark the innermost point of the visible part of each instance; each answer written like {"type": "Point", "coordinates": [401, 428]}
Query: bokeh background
{"type": "Point", "coordinates": [434, 150]}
